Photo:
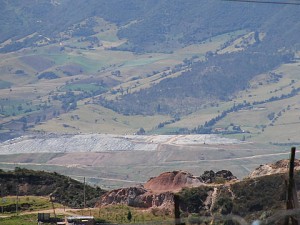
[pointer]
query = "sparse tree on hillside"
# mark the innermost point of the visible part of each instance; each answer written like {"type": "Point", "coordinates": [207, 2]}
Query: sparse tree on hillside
{"type": "Point", "coordinates": [129, 216]}
{"type": "Point", "coordinates": [141, 131]}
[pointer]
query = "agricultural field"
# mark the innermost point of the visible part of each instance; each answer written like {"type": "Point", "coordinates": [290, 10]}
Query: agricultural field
{"type": "Point", "coordinates": [275, 121]}
{"type": "Point", "coordinates": [24, 220]}
{"type": "Point", "coordinates": [36, 82]}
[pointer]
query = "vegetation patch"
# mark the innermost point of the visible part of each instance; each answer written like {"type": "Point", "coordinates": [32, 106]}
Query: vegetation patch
{"type": "Point", "coordinates": [5, 84]}
{"type": "Point", "coordinates": [84, 87]}
{"type": "Point", "coordinates": [24, 220]}
{"type": "Point", "coordinates": [122, 214]}
{"type": "Point", "coordinates": [37, 62]}
{"type": "Point", "coordinates": [48, 75]}
{"type": "Point", "coordinates": [25, 203]}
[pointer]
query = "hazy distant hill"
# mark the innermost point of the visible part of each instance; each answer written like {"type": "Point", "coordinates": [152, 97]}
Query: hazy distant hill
{"type": "Point", "coordinates": [156, 24]}
{"type": "Point", "coordinates": [70, 59]}
{"type": "Point", "coordinates": [189, 22]}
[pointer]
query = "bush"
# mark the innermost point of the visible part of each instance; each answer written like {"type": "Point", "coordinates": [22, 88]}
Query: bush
{"type": "Point", "coordinates": [48, 76]}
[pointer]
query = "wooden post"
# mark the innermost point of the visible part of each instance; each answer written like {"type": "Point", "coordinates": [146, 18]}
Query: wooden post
{"type": "Point", "coordinates": [177, 210]}
{"type": "Point", "coordinates": [2, 199]}
{"type": "Point", "coordinates": [292, 163]}
{"type": "Point", "coordinates": [53, 207]}
{"type": "Point", "coordinates": [292, 200]}
{"type": "Point", "coordinates": [17, 202]}
{"type": "Point", "coordinates": [84, 201]}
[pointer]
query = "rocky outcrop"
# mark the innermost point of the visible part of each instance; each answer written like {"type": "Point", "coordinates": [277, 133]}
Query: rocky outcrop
{"type": "Point", "coordinates": [172, 181]}
{"type": "Point", "coordinates": [159, 191]}
{"type": "Point", "coordinates": [209, 177]}
{"type": "Point", "coordinates": [135, 197]}
{"type": "Point", "coordinates": [280, 166]}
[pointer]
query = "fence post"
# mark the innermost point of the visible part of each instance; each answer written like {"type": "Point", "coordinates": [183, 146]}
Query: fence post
{"type": "Point", "coordinates": [292, 200]}
{"type": "Point", "coordinates": [177, 210]}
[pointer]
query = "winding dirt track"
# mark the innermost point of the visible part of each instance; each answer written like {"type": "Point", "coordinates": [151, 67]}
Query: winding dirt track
{"type": "Point", "coordinates": [58, 211]}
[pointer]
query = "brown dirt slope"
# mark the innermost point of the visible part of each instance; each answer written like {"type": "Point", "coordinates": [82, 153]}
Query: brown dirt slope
{"type": "Point", "coordinates": [172, 181]}
{"type": "Point", "coordinates": [280, 166]}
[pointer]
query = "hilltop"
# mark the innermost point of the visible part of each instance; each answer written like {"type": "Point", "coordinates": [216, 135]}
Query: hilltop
{"type": "Point", "coordinates": [64, 190]}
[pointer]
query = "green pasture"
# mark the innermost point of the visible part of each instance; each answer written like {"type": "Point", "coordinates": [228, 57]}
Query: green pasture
{"type": "Point", "coordinates": [14, 107]}
{"type": "Point", "coordinates": [35, 203]}
{"type": "Point", "coordinates": [95, 118]}
{"type": "Point", "coordinates": [82, 87]}
{"type": "Point", "coordinates": [89, 65]}
{"type": "Point", "coordinates": [118, 214]}
{"type": "Point", "coordinates": [144, 61]}
{"type": "Point", "coordinates": [5, 84]}
{"type": "Point", "coordinates": [20, 220]}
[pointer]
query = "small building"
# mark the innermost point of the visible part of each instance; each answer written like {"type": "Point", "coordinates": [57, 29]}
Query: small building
{"type": "Point", "coordinates": [80, 220]}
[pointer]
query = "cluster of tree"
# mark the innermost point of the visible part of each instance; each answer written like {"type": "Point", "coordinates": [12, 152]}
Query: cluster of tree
{"type": "Point", "coordinates": [83, 32]}
{"type": "Point", "coordinates": [69, 99]}
{"type": "Point", "coordinates": [162, 124]}
{"type": "Point", "coordinates": [207, 128]}
{"type": "Point", "coordinates": [49, 75]}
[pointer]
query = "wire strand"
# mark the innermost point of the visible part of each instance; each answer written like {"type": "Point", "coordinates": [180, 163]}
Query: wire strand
{"type": "Point", "coordinates": [265, 2]}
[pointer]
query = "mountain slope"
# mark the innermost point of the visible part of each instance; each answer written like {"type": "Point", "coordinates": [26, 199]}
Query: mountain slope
{"type": "Point", "coordinates": [66, 60]}
{"type": "Point", "coordinates": [40, 183]}
{"type": "Point", "coordinates": [218, 78]}
{"type": "Point", "coordinates": [157, 24]}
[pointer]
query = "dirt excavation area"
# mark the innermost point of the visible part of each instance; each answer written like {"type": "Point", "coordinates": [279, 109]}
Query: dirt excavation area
{"type": "Point", "coordinates": [114, 161]}
{"type": "Point", "coordinates": [104, 142]}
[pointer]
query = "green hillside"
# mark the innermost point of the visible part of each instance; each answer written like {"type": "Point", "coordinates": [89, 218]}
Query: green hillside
{"type": "Point", "coordinates": [64, 190]}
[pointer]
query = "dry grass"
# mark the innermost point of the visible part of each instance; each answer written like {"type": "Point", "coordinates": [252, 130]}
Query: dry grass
{"type": "Point", "coordinates": [97, 119]}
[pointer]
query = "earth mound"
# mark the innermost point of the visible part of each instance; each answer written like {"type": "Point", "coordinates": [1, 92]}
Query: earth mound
{"type": "Point", "coordinates": [172, 181]}
{"type": "Point", "coordinates": [159, 191]}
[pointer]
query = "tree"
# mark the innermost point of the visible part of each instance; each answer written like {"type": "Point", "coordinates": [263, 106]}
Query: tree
{"type": "Point", "coordinates": [129, 216]}
{"type": "Point", "coordinates": [141, 131]}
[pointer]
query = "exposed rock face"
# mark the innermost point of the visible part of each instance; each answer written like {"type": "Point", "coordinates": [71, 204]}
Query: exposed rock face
{"type": "Point", "coordinates": [135, 197]}
{"type": "Point", "coordinates": [159, 191]}
{"type": "Point", "coordinates": [280, 166]}
{"type": "Point", "coordinates": [212, 177]}
{"type": "Point", "coordinates": [172, 181]}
